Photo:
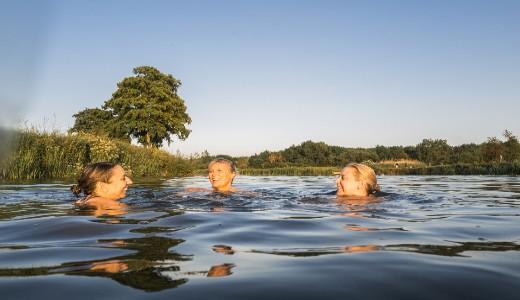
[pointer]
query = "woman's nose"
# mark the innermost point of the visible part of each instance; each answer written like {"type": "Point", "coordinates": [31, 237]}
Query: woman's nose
{"type": "Point", "coordinates": [128, 180]}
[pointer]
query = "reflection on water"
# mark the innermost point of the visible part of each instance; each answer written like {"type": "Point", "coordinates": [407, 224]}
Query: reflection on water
{"type": "Point", "coordinates": [110, 208]}
{"type": "Point", "coordinates": [220, 270]}
{"type": "Point", "coordinates": [452, 250]}
{"type": "Point", "coordinates": [459, 233]}
{"type": "Point", "coordinates": [139, 270]}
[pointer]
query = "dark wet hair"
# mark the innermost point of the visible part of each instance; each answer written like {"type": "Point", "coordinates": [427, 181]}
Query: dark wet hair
{"type": "Point", "coordinates": [91, 175]}
{"type": "Point", "coordinates": [228, 162]}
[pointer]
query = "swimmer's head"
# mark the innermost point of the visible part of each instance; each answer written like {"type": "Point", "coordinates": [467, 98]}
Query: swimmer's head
{"type": "Point", "coordinates": [103, 179]}
{"type": "Point", "coordinates": [357, 180]}
{"type": "Point", "coordinates": [221, 173]}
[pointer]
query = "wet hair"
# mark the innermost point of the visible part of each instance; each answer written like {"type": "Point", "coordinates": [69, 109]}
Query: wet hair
{"type": "Point", "coordinates": [231, 164]}
{"type": "Point", "coordinates": [91, 175]}
{"type": "Point", "coordinates": [366, 175]}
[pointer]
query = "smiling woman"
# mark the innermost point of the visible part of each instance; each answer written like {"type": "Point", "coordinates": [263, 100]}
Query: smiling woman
{"type": "Point", "coordinates": [221, 173]}
{"type": "Point", "coordinates": [102, 184]}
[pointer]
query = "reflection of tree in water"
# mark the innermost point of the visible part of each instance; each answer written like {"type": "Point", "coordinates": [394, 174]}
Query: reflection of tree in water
{"type": "Point", "coordinates": [455, 250]}
{"type": "Point", "coordinates": [139, 270]}
{"type": "Point", "coordinates": [443, 250]}
{"type": "Point", "coordinates": [9, 211]}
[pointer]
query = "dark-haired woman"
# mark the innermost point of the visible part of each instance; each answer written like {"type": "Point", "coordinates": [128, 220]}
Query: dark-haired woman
{"type": "Point", "coordinates": [102, 184]}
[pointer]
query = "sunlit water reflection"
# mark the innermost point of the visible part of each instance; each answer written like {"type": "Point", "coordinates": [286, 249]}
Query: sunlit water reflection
{"type": "Point", "coordinates": [283, 237]}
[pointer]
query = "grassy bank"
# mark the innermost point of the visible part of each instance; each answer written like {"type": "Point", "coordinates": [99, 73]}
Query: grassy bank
{"type": "Point", "coordinates": [290, 171]}
{"type": "Point", "coordinates": [512, 168]}
{"type": "Point", "coordinates": [385, 169]}
{"type": "Point", "coordinates": [34, 155]}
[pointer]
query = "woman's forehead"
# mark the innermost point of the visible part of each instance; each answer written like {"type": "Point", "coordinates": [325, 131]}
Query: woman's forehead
{"type": "Point", "coordinates": [219, 165]}
{"type": "Point", "coordinates": [118, 170]}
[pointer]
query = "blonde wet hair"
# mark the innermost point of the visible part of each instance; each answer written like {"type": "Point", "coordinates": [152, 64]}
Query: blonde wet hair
{"type": "Point", "coordinates": [367, 176]}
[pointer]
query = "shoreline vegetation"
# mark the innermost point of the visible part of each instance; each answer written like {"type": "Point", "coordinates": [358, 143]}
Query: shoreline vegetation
{"type": "Point", "coordinates": [510, 169]}
{"type": "Point", "coordinates": [34, 155]}
{"type": "Point", "coordinates": [105, 133]}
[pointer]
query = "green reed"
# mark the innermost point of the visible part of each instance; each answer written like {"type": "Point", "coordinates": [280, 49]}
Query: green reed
{"type": "Point", "coordinates": [290, 171]}
{"type": "Point", "coordinates": [508, 168]}
{"type": "Point", "coordinates": [386, 169]}
{"type": "Point", "coordinates": [43, 155]}
{"type": "Point", "coordinates": [34, 155]}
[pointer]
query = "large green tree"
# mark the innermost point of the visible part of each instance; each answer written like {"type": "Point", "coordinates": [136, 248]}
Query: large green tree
{"type": "Point", "coordinates": [147, 107]}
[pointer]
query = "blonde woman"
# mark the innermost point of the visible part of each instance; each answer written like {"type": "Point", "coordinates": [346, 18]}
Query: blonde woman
{"type": "Point", "coordinates": [357, 180]}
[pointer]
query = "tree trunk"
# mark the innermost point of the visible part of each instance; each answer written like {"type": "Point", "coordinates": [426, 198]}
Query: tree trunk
{"type": "Point", "coordinates": [147, 140]}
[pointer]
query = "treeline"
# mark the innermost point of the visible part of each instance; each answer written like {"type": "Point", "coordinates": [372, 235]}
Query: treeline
{"type": "Point", "coordinates": [431, 152]}
{"type": "Point", "coordinates": [430, 157]}
{"type": "Point", "coordinates": [33, 155]}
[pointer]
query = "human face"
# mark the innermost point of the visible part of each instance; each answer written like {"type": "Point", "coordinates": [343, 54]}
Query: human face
{"type": "Point", "coordinates": [349, 185]}
{"type": "Point", "coordinates": [117, 185]}
{"type": "Point", "coordinates": [220, 176]}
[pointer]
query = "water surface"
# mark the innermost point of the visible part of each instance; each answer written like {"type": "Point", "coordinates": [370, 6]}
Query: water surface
{"type": "Point", "coordinates": [429, 237]}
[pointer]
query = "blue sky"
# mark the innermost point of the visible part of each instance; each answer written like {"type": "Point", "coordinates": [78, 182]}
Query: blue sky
{"type": "Point", "coordinates": [263, 75]}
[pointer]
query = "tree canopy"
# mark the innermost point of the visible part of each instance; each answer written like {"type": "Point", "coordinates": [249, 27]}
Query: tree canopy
{"type": "Point", "coordinates": [145, 107]}
{"type": "Point", "coordinates": [434, 151]}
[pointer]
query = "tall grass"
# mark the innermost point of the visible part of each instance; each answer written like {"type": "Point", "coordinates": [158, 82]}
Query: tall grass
{"type": "Point", "coordinates": [390, 169]}
{"type": "Point", "coordinates": [291, 171]}
{"type": "Point", "coordinates": [509, 168]}
{"type": "Point", "coordinates": [42, 155]}
{"type": "Point", "coordinates": [33, 155]}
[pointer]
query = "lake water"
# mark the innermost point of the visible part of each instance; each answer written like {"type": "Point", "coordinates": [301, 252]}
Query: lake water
{"type": "Point", "coordinates": [428, 238]}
